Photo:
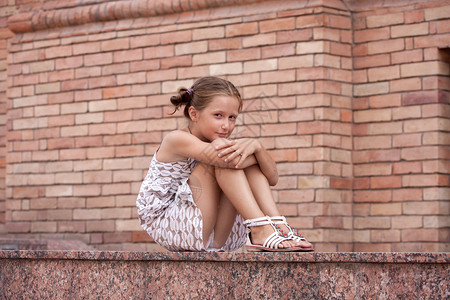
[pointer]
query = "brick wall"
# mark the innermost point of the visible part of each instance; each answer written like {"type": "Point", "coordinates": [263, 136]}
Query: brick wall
{"type": "Point", "coordinates": [6, 9]}
{"type": "Point", "coordinates": [401, 128]}
{"type": "Point", "coordinates": [351, 100]}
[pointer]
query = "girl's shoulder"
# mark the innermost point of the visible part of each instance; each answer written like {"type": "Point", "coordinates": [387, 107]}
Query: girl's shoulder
{"type": "Point", "coordinates": [175, 137]}
{"type": "Point", "coordinates": [171, 144]}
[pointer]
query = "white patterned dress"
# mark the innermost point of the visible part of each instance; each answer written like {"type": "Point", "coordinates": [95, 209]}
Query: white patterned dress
{"type": "Point", "coordinates": [168, 213]}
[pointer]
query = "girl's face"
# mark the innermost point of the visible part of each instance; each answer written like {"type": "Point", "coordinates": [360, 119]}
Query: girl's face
{"type": "Point", "coordinates": [217, 120]}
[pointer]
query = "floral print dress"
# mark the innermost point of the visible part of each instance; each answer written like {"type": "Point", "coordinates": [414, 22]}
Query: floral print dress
{"type": "Point", "coordinates": [168, 213]}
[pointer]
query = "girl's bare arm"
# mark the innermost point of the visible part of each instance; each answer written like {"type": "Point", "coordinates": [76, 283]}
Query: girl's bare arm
{"type": "Point", "coordinates": [179, 145]}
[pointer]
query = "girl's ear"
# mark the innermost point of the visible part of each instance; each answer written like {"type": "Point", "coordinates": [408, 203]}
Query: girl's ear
{"type": "Point", "coordinates": [193, 113]}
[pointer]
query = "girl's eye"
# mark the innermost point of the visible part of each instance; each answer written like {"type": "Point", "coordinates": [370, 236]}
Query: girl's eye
{"type": "Point", "coordinates": [233, 117]}
{"type": "Point", "coordinates": [217, 115]}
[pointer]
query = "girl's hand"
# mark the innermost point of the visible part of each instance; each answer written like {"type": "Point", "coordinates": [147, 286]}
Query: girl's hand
{"type": "Point", "coordinates": [240, 148]}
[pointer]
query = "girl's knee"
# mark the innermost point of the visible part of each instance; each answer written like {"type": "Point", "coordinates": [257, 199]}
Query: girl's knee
{"type": "Point", "coordinates": [203, 173]}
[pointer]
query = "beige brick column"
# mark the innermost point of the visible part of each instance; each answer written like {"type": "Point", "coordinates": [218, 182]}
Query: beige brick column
{"type": "Point", "coordinates": [401, 125]}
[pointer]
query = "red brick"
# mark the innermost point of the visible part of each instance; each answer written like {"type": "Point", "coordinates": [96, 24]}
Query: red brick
{"type": "Point", "coordinates": [420, 153]}
{"type": "Point", "coordinates": [176, 37]}
{"type": "Point", "coordinates": [422, 235]}
{"type": "Point", "coordinates": [243, 55]}
{"type": "Point", "coordinates": [241, 29]}
{"type": "Point", "coordinates": [222, 44]}
{"type": "Point", "coordinates": [84, 48]}
{"type": "Point", "coordinates": [159, 51]}
{"type": "Point", "coordinates": [259, 40]}
{"type": "Point", "coordinates": [100, 226]}
{"type": "Point", "coordinates": [372, 142]}
{"type": "Point", "coordinates": [127, 55]}
{"type": "Point", "coordinates": [373, 169]}
{"type": "Point", "coordinates": [121, 237]}
{"type": "Point", "coordinates": [208, 33]}
{"type": "Point", "coordinates": [371, 61]}
{"type": "Point", "coordinates": [313, 127]}
{"type": "Point", "coordinates": [88, 72]}
{"type": "Point", "coordinates": [420, 98]}
{"type": "Point", "coordinates": [386, 182]}
{"type": "Point", "coordinates": [310, 21]}
{"type": "Point", "coordinates": [411, 56]}
{"type": "Point", "coordinates": [294, 36]}
{"type": "Point", "coordinates": [402, 222]}
{"type": "Point", "coordinates": [373, 247]}
{"type": "Point", "coordinates": [115, 44]}
{"type": "Point", "coordinates": [384, 20]}
{"type": "Point", "coordinates": [98, 59]}
{"type": "Point", "coordinates": [443, 26]}
{"type": "Point", "coordinates": [278, 50]}
{"type": "Point", "coordinates": [409, 30]}
{"type": "Point", "coordinates": [435, 13]}
{"type": "Point", "coordinates": [341, 183]}
{"type": "Point", "coordinates": [341, 22]}
{"type": "Point", "coordinates": [116, 92]}
{"type": "Point", "coordinates": [71, 226]}
{"type": "Point", "coordinates": [367, 35]}
{"type": "Point", "coordinates": [141, 237]}
{"type": "Point", "coordinates": [190, 48]}
{"type": "Point", "coordinates": [385, 235]}
{"type": "Point", "coordinates": [361, 183]}
{"type": "Point", "coordinates": [148, 40]}
{"type": "Point", "coordinates": [372, 222]}
{"type": "Point", "coordinates": [277, 25]}
{"type": "Point", "coordinates": [179, 61]}
{"type": "Point", "coordinates": [328, 34]}
{"type": "Point", "coordinates": [383, 73]}
{"type": "Point", "coordinates": [208, 58]}
{"type": "Point", "coordinates": [407, 167]}
{"type": "Point", "coordinates": [93, 141]}
{"type": "Point", "coordinates": [116, 189]}
{"type": "Point", "coordinates": [18, 227]}
{"type": "Point", "coordinates": [387, 46]}
{"type": "Point", "coordinates": [325, 86]}
{"type": "Point", "coordinates": [425, 180]}
{"type": "Point", "coordinates": [26, 56]}
{"type": "Point", "coordinates": [285, 89]}
{"type": "Point", "coordinates": [404, 85]}
{"type": "Point", "coordinates": [313, 154]}
{"type": "Point", "coordinates": [60, 143]}
{"type": "Point", "coordinates": [328, 222]}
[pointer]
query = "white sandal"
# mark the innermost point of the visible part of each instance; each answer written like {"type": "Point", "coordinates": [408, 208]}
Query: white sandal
{"type": "Point", "coordinates": [293, 234]}
{"type": "Point", "coordinates": [273, 241]}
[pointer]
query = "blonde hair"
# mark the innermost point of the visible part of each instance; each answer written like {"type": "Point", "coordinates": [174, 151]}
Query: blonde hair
{"type": "Point", "coordinates": [201, 93]}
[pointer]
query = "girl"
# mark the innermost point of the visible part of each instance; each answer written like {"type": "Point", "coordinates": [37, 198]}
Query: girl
{"type": "Point", "coordinates": [201, 184]}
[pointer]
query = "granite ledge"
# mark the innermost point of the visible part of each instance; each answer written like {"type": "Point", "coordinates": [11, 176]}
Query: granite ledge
{"type": "Point", "coordinates": [311, 257]}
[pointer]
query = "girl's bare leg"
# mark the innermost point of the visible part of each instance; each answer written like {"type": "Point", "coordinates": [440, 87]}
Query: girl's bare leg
{"type": "Point", "coordinates": [206, 193]}
{"type": "Point", "coordinates": [209, 186]}
{"type": "Point", "coordinates": [217, 211]}
{"type": "Point", "coordinates": [263, 194]}
{"type": "Point", "coordinates": [224, 222]}
{"type": "Point", "coordinates": [236, 187]}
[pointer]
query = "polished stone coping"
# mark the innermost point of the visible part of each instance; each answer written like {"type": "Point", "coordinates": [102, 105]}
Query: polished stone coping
{"type": "Point", "coordinates": [269, 257]}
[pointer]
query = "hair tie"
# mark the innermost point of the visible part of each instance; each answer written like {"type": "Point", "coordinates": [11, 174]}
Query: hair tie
{"type": "Point", "coordinates": [190, 91]}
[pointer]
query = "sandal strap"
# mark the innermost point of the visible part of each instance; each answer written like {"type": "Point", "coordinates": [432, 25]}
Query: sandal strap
{"type": "Point", "coordinates": [274, 240]}
{"type": "Point", "coordinates": [279, 219]}
{"type": "Point", "coordinates": [258, 221]}
{"type": "Point", "coordinates": [293, 233]}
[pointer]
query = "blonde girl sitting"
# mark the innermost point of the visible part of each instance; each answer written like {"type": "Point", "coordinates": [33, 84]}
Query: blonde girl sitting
{"type": "Point", "coordinates": [202, 185]}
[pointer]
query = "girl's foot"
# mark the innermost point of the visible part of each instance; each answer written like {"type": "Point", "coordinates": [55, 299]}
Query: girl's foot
{"type": "Point", "coordinates": [280, 222]}
{"type": "Point", "coordinates": [265, 236]}
{"type": "Point", "coordinates": [261, 233]}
